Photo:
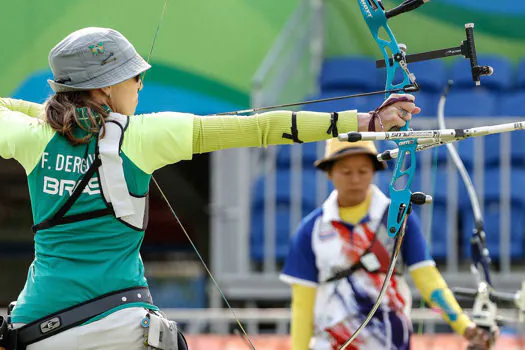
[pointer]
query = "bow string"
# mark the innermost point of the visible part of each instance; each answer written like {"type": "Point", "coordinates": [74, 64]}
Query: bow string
{"type": "Point", "coordinates": [208, 271]}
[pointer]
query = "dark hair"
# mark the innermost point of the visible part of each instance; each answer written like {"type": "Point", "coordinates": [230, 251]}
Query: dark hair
{"type": "Point", "coordinates": [62, 115]}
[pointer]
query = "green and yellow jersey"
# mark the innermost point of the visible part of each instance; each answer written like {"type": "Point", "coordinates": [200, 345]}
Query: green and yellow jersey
{"type": "Point", "coordinates": [80, 261]}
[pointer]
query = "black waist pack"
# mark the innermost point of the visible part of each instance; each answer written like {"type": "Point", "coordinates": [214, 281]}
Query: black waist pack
{"type": "Point", "coordinates": [7, 336]}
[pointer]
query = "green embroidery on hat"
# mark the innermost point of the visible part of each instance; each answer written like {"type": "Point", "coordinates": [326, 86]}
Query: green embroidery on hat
{"type": "Point", "coordinates": [97, 49]}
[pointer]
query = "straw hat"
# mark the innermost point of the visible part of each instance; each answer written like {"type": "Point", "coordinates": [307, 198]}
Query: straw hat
{"type": "Point", "coordinates": [336, 149]}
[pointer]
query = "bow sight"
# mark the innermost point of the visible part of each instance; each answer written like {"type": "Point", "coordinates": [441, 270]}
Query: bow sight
{"type": "Point", "coordinates": [467, 49]}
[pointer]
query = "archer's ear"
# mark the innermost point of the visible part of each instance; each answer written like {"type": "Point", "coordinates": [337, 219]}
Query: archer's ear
{"type": "Point", "coordinates": [102, 95]}
{"type": "Point", "coordinates": [106, 91]}
{"type": "Point", "coordinates": [329, 172]}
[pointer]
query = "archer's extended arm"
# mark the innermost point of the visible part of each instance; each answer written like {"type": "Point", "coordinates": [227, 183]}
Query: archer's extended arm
{"type": "Point", "coordinates": [30, 109]}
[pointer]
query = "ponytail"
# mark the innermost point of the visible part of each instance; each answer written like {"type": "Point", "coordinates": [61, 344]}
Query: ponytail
{"type": "Point", "coordinates": [63, 114]}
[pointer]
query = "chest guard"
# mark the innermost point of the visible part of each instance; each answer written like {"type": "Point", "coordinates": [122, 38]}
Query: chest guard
{"type": "Point", "coordinates": [130, 209]}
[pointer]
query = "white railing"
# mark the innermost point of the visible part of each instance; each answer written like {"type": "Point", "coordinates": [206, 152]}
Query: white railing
{"type": "Point", "coordinates": [199, 321]}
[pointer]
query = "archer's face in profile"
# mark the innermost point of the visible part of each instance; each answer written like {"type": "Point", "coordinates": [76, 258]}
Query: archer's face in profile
{"type": "Point", "coordinates": [123, 97]}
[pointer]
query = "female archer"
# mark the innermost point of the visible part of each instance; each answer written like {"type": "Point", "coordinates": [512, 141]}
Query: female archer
{"type": "Point", "coordinates": [89, 161]}
{"type": "Point", "coordinates": [340, 254]}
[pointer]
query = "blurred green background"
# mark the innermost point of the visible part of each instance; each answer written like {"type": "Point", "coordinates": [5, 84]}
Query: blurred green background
{"type": "Point", "coordinates": [207, 51]}
{"type": "Point", "coordinates": [204, 60]}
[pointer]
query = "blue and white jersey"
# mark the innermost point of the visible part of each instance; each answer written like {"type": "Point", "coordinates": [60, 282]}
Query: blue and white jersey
{"type": "Point", "coordinates": [324, 244]}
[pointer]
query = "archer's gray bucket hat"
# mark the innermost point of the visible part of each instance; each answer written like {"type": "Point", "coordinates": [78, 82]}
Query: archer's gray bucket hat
{"type": "Point", "coordinates": [93, 58]}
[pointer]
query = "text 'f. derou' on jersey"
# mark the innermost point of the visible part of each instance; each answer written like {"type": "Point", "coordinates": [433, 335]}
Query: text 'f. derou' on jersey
{"type": "Point", "coordinates": [82, 260]}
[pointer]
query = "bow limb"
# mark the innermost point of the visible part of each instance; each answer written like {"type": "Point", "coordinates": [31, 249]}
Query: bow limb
{"type": "Point", "coordinates": [484, 311]}
{"type": "Point", "coordinates": [212, 278]}
{"type": "Point", "coordinates": [480, 252]}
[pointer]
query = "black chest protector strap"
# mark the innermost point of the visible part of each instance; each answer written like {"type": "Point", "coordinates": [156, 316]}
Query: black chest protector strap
{"type": "Point", "coordinates": [60, 217]}
{"type": "Point", "coordinates": [367, 261]}
{"type": "Point", "coordinates": [360, 264]}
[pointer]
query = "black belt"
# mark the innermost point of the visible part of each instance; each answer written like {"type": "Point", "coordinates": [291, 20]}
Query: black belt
{"type": "Point", "coordinates": [78, 314]}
